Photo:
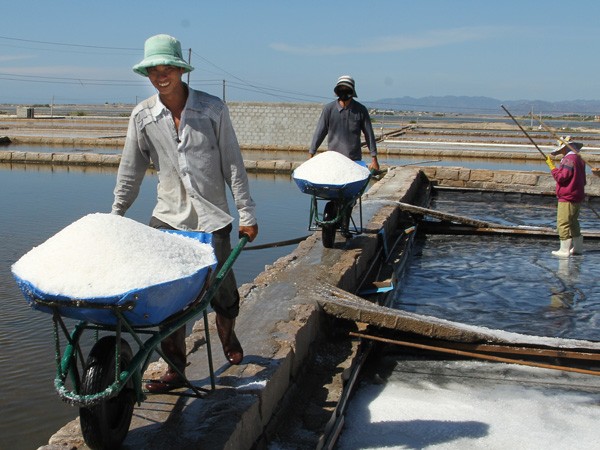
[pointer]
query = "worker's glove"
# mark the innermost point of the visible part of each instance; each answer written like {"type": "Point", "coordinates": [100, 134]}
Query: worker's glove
{"type": "Point", "coordinates": [550, 163]}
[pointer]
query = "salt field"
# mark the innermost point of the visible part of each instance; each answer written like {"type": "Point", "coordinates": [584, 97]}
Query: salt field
{"type": "Point", "coordinates": [543, 296]}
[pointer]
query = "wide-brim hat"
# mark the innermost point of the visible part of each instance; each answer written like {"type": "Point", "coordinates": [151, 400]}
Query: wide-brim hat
{"type": "Point", "coordinates": [347, 81]}
{"type": "Point", "coordinates": [161, 50]}
{"type": "Point", "coordinates": [566, 143]}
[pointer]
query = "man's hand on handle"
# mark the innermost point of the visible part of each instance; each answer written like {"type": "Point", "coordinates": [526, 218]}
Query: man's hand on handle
{"type": "Point", "coordinates": [251, 231]}
{"type": "Point", "coordinates": [374, 164]}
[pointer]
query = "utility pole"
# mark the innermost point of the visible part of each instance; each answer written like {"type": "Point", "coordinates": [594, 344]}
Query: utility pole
{"type": "Point", "coordinates": [531, 118]}
{"type": "Point", "coordinates": [190, 63]}
{"type": "Point", "coordinates": [224, 92]}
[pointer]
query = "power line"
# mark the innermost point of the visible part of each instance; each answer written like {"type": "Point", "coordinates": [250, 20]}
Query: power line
{"type": "Point", "coordinates": [254, 87]}
{"type": "Point", "coordinates": [234, 81]}
{"type": "Point", "coordinates": [68, 80]}
{"type": "Point", "coordinates": [241, 85]}
{"type": "Point", "coordinates": [69, 45]}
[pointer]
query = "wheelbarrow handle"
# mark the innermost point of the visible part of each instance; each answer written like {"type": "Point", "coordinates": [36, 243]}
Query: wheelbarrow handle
{"type": "Point", "coordinates": [235, 252]}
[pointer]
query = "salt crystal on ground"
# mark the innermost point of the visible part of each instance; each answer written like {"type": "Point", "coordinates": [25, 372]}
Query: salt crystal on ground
{"type": "Point", "coordinates": [102, 255]}
{"type": "Point", "coordinates": [331, 168]}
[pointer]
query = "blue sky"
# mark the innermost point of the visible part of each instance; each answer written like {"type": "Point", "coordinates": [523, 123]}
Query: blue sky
{"type": "Point", "coordinates": [82, 52]}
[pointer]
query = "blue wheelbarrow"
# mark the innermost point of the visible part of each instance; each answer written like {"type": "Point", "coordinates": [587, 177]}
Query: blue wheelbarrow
{"type": "Point", "coordinates": [108, 384]}
{"type": "Point", "coordinates": [336, 214]}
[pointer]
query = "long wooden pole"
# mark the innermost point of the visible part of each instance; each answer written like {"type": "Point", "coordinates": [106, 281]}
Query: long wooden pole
{"type": "Point", "coordinates": [564, 142]}
{"type": "Point", "coordinates": [523, 130]}
{"type": "Point", "coordinates": [475, 355]}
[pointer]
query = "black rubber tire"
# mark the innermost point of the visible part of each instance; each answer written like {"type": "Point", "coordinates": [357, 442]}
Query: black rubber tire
{"type": "Point", "coordinates": [328, 231]}
{"type": "Point", "coordinates": [105, 425]}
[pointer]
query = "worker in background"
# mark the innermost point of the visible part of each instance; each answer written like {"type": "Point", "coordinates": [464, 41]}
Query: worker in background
{"type": "Point", "coordinates": [343, 121]}
{"type": "Point", "coordinates": [570, 191]}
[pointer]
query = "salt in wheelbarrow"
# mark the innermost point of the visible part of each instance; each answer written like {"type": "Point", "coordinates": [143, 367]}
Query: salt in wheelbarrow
{"type": "Point", "coordinates": [106, 386]}
{"type": "Point", "coordinates": [336, 214]}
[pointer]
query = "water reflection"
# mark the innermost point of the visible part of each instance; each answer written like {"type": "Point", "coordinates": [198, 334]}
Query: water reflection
{"type": "Point", "coordinates": [567, 295]}
{"type": "Point", "coordinates": [509, 283]}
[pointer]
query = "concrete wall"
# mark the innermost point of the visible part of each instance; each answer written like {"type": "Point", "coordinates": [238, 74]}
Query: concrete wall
{"type": "Point", "coordinates": [503, 180]}
{"type": "Point", "coordinates": [275, 125]}
{"type": "Point", "coordinates": [257, 125]}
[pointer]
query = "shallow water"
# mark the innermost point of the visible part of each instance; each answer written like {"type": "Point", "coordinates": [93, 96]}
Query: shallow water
{"type": "Point", "coordinates": [393, 159]}
{"type": "Point", "coordinates": [505, 282]}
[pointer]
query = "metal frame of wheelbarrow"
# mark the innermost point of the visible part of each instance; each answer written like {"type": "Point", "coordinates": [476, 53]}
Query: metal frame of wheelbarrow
{"type": "Point", "coordinates": [127, 378]}
{"type": "Point", "coordinates": [337, 213]}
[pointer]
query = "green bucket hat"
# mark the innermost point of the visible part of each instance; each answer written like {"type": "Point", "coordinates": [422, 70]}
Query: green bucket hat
{"type": "Point", "coordinates": [161, 50]}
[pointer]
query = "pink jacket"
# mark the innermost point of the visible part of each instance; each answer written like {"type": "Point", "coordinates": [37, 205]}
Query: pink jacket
{"type": "Point", "coordinates": [570, 178]}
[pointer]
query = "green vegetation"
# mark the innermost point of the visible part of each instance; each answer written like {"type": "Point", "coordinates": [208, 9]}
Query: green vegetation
{"type": "Point", "coordinates": [78, 113]}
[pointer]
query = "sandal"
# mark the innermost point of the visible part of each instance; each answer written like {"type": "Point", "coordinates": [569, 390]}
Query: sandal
{"type": "Point", "coordinates": [166, 383]}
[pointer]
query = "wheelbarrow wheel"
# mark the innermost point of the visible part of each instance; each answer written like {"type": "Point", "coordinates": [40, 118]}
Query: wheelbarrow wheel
{"type": "Point", "coordinates": [105, 425]}
{"type": "Point", "coordinates": [328, 231]}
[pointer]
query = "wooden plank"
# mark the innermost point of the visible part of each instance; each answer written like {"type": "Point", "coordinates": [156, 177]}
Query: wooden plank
{"type": "Point", "coordinates": [430, 227]}
{"type": "Point", "coordinates": [446, 216]}
{"type": "Point", "coordinates": [343, 305]}
{"type": "Point", "coordinates": [475, 226]}
{"type": "Point", "coordinates": [485, 356]}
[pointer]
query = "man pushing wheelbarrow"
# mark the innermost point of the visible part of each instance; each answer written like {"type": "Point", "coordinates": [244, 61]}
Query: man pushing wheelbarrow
{"type": "Point", "coordinates": [189, 138]}
{"type": "Point", "coordinates": [343, 121]}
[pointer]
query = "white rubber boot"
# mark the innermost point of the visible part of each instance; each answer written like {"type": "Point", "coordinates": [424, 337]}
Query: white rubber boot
{"type": "Point", "coordinates": [565, 249]}
{"type": "Point", "coordinates": [577, 246]}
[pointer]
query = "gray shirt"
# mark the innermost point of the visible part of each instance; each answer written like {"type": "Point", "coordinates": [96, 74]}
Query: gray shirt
{"type": "Point", "coordinates": [343, 128]}
{"type": "Point", "coordinates": [194, 164]}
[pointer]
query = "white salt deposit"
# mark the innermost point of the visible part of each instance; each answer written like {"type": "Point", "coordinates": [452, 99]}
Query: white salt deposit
{"type": "Point", "coordinates": [331, 168]}
{"type": "Point", "coordinates": [102, 255]}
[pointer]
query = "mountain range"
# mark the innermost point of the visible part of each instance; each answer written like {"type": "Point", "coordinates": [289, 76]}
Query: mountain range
{"type": "Point", "coordinates": [486, 105]}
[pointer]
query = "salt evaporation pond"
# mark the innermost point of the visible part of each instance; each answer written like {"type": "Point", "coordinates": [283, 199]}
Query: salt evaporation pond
{"type": "Point", "coordinates": [505, 282]}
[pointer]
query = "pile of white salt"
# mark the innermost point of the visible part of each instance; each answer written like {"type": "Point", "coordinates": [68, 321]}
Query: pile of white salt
{"type": "Point", "coordinates": [103, 255]}
{"type": "Point", "coordinates": [332, 168]}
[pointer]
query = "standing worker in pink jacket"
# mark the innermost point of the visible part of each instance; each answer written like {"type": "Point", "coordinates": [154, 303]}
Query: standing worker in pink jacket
{"type": "Point", "coordinates": [570, 191]}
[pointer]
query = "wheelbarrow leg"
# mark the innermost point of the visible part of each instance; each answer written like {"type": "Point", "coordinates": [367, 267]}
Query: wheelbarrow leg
{"type": "Point", "coordinates": [346, 219]}
{"type": "Point", "coordinates": [209, 351]}
{"type": "Point", "coordinates": [328, 230]}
